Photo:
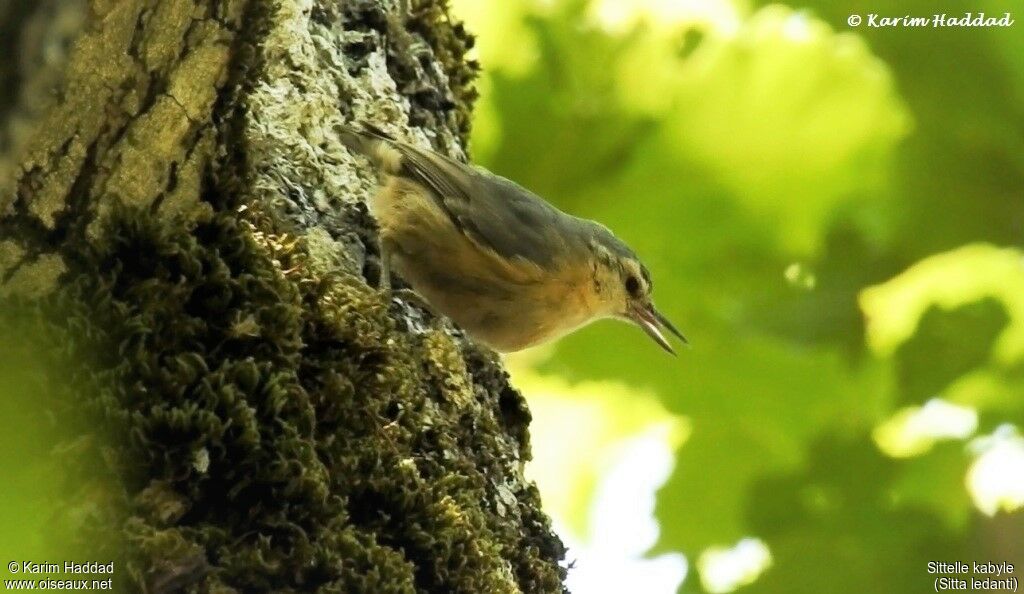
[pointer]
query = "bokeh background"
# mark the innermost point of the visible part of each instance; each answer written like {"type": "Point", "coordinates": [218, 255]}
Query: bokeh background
{"type": "Point", "coordinates": [835, 216]}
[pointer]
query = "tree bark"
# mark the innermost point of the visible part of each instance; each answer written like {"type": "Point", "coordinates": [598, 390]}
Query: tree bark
{"type": "Point", "coordinates": [175, 200]}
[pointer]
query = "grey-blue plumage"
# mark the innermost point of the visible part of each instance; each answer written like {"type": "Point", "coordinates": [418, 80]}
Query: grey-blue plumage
{"type": "Point", "coordinates": [502, 262]}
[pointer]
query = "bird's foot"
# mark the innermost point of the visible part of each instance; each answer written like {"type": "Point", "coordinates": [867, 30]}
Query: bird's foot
{"type": "Point", "coordinates": [410, 297]}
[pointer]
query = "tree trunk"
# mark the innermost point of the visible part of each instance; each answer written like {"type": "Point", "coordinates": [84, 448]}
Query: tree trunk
{"type": "Point", "coordinates": [175, 200]}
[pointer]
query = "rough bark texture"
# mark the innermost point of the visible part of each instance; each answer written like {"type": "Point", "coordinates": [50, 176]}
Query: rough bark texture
{"type": "Point", "coordinates": [175, 201]}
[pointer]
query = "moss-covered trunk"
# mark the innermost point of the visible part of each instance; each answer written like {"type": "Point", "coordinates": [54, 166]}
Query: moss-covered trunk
{"type": "Point", "coordinates": [174, 199]}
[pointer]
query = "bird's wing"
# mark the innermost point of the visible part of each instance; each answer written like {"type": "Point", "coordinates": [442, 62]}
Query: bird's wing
{"type": "Point", "coordinates": [491, 210]}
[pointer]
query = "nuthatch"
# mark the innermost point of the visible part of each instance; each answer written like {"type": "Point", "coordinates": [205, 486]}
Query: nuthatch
{"type": "Point", "coordinates": [510, 269]}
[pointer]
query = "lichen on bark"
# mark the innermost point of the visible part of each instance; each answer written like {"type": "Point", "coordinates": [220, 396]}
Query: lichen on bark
{"type": "Point", "coordinates": [180, 213]}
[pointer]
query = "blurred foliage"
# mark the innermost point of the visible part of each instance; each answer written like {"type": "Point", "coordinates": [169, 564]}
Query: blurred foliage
{"type": "Point", "coordinates": [31, 479]}
{"type": "Point", "coordinates": [54, 480]}
{"type": "Point", "coordinates": [603, 415]}
{"type": "Point", "coordinates": [832, 215]}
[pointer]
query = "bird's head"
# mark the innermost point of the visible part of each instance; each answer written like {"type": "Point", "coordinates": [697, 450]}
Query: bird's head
{"type": "Point", "coordinates": [623, 287]}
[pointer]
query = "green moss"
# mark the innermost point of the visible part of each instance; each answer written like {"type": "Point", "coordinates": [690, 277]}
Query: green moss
{"type": "Point", "coordinates": [274, 431]}
{"type": "Point", "coordinates": [269, 421]}
{"type": "Point", "coordinates": [451, 43]}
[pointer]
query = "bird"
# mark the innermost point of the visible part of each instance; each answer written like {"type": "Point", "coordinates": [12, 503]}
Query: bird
{"type": "Point", "coordinates": [509, 268]}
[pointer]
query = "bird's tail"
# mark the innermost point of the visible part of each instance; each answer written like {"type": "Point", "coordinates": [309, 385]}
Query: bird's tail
{"type": "Point", "coordinates": [373, 143]}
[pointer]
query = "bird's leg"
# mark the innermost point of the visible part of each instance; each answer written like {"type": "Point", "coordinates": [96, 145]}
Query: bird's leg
{"type": "Point", "coordinates": [384, 283]}
{"type": "Point", "coordinates": [406, 295]}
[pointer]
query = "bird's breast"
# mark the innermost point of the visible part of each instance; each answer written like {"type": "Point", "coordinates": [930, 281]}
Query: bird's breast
{"type": "Point", "coordinates": [503, 315]}
{"type": "Point", "coordinates": [507, 303]}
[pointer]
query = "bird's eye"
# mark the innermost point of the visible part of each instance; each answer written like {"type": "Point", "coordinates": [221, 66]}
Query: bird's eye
{"type": "Point", "coordinates": [633, 286]}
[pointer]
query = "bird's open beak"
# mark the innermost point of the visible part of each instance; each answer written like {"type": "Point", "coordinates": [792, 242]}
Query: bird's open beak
{"type": "Point", "coordinates": [653, 322]}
